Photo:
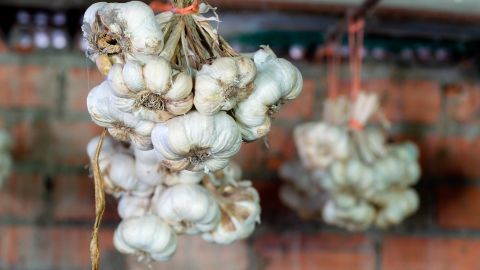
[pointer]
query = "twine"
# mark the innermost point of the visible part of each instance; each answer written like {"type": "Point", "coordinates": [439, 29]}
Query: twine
{"type": "Point", "coordinates": [158, 6]}
{"type": "Point", "coordinates": [99, 205]}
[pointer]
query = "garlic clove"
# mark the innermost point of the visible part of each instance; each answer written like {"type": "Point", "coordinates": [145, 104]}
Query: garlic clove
{"type": "Point", "coordinates": [146, 235]}
{"type": "Point", "coordinates": [180, 107]}
{"type": "Point", "coordinates": [157, 75]}
{"type": "Point", "coordinates": [133, 76]}
{"type": "Point", "coordinates": [181, 88]}
{"type": "Point", "coordinates": [188, 208]}
{"type": "Point", "coordinates": [131, 206]}
{"type": "Point", "coordinates": [115, 81]}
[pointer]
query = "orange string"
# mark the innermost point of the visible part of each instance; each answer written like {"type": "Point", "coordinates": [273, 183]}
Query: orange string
{"type": "Point", "coordinates": [355, 43]}
{"type": "Point", "coordinates": [355, 124]}
{"type": "Point", "coordinates": [332, 71]}
{"type": "Point", "coordinates": [158, 6]}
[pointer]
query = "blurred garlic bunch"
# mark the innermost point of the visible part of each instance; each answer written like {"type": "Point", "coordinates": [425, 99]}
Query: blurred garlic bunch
{"type": "Point", "coordinates": [5, 158]}
{"type": "Point", "coordinates": [178, 102]}
{"type": "Point", "coordinates": [362, 181]}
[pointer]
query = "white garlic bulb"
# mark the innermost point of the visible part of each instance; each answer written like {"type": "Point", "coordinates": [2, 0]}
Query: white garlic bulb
{"type": "Point", "coordinates": [349, 212]}
{"type": "Point", "coordinates": [223, 83]}
{"type": "Point", "coordinates": [197, 142]}
{"type": "Point", "coordinates": [145, 236]}
{"type": "Point", "coordinates": [395, 206]}
{"type": "Point", "coordinates": [122, 126]}
{"type": "Point", "coordinates": [240, 211]}
{"type": "Point", "coordinates": [277, 81]}
{"type": "Point", "coordinates": [188, 208]}
{"type": "Point", "coordinates": [153, 91]}
{"type": "Point", "coordinates": [133, 206]}
{"type": "Point", "coordinates": [320, 144]}
{"type": "Point", "coordinates": [150, 170]}
{"type": "Point", "coordinates": [116, 32]}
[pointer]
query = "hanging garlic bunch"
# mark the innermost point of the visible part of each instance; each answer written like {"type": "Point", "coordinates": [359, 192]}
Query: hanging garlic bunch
{"type": "Point", "coordinates": [181, 101]}
{"type": "Point", "coordinates": [276, 82]}
{"type": "Point", "coordinates": [366, 182]}
{"type": "Point", "coordinates": [5, 158]}
{"type": "Point", "coordinates": [118, 32]}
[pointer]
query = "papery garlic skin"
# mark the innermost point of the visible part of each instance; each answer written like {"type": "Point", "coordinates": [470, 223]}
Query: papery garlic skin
{"type": "Point", "coordinates": [348, 212]}
{"type": "Point", "coordinates": [277, 81]}
{"type": "Point", "coordinates": [320, 144]}
{"type": "Point", "coordinates": [122, 126]}
{"type": "Point", "coordinates": [145, 236]}
{"type": "Point", "coordinates": [153, 91]}
{"type": "Point", "coordinates": [223, 83]}
{"type": "Point", "coordinates": [197, 142]}
{"type": "Point", "coordinates": [132, 206]}
{"type": "Point", "coordinates": [240, 211]}
{"type": "Point", "coordinates": [121, 31]}
{"type": "Point", "coordinates": [188, 208]}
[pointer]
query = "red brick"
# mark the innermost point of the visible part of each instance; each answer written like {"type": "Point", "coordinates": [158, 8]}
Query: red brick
{"type": "Point", "coordinates": [32, 140]}
{"type": "Point", "coordinates": [439, 253]}
{"type": "Point", "coordinates": [421, 101]}
{"type": "Point", "coordinates": [302, 106]}
{"type": "Point", "coordinates": [458, 207]}
{"type": "Point", "coordinates": [463, 105]}
{"type": "Point", "coordinates": [282, 147]}
{"type": "Point", "coordinates": [28, 247]}
{"type": "Point", "coordinates": [71, 140]}
{"type": "Point", "coordinates": [320, 251]}
{"type": "Point", "coordinates": [28, 86]}
{"type": "Point", "coordinates": [390, 96]}
{"type": "Point", "coordinates": [195, 253]}
{"type": "Point", "coordinates": [21, 196]}
{"type": "Point", "coordinates": [74, 199]}
{"type": "Point", "coordinates": [251, 156]}
{"type": "Point", "coordinates": [79, 83]}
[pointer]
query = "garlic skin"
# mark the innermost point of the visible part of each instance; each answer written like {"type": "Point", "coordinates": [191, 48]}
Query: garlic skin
{"type": "Point", "coordinates": [277, 81]}
{"type": "Point", "coordinates": [117, 32]}
{"type": "Point", "coordinates": [145, 236]}
{"type": "Point", "coordinates": [240, 211]}
{"type": "Point", "coordinates": [197, 142]}
{"type": "Point", "coordinates": [187, 208]}
{"type": "Point", "coordinates": [153, 91]}
{"type": "Point", "coordinates": [132, 206]}
{"type": "Point", "coordinates": [320, 144]}
{"type": "Point", "coordinates": [122, 126]}
{"type": "Point", "coordinates": [348, 212]}
{"type": "Point", "coordinates": [223, 83]}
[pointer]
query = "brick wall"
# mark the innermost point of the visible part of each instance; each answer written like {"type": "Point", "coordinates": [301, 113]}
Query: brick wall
{"type": "Point", "coordinates": [46, 207]}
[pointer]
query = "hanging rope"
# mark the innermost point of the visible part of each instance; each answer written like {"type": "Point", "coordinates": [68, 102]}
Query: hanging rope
{"type": "Point", "coordinates": [332, 70]}
{"type": "Point", "coordinates": [355, 44]}
{"type": "Point", "coordinates": [158, 6]}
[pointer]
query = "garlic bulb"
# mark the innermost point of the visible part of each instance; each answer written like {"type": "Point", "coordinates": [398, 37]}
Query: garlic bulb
{"type": "Point", "coordinates": [348, 212]}
{"type": "Point", "coordinates": [320, 144]}
{"type": "Point", "coordinates": [150, 170]}
{"type": "Point", "coordinates": [240, 211]}
{"type": "Point", "coordinates": [116, 32]}
{"type": "Point", "coordinates": [146, 236]}
{"type": "Point", "coordinates": [197, 142]}
{"type": "Point", "coordinates": [122, 126]}
{"type": "Point", "coordinates": [395, 206]}
{"type": "Point", "coordinates": [188, 208]}
{"type": "Point", "coordinates": [277, 81]}
{"type": "Point", "coordinates": [153, 92]}
{"type": "Point", "coordinates": [133, 206]}
{"type": "Point", "coordinates": [223, 83]}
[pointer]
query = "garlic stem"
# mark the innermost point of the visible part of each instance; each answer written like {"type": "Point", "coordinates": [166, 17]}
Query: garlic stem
{"type": "Point", "coordinates": [172, 42]}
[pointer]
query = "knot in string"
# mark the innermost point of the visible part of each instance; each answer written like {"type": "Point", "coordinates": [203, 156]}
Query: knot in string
{"type": "Point", "coordinates": [158, 6]}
